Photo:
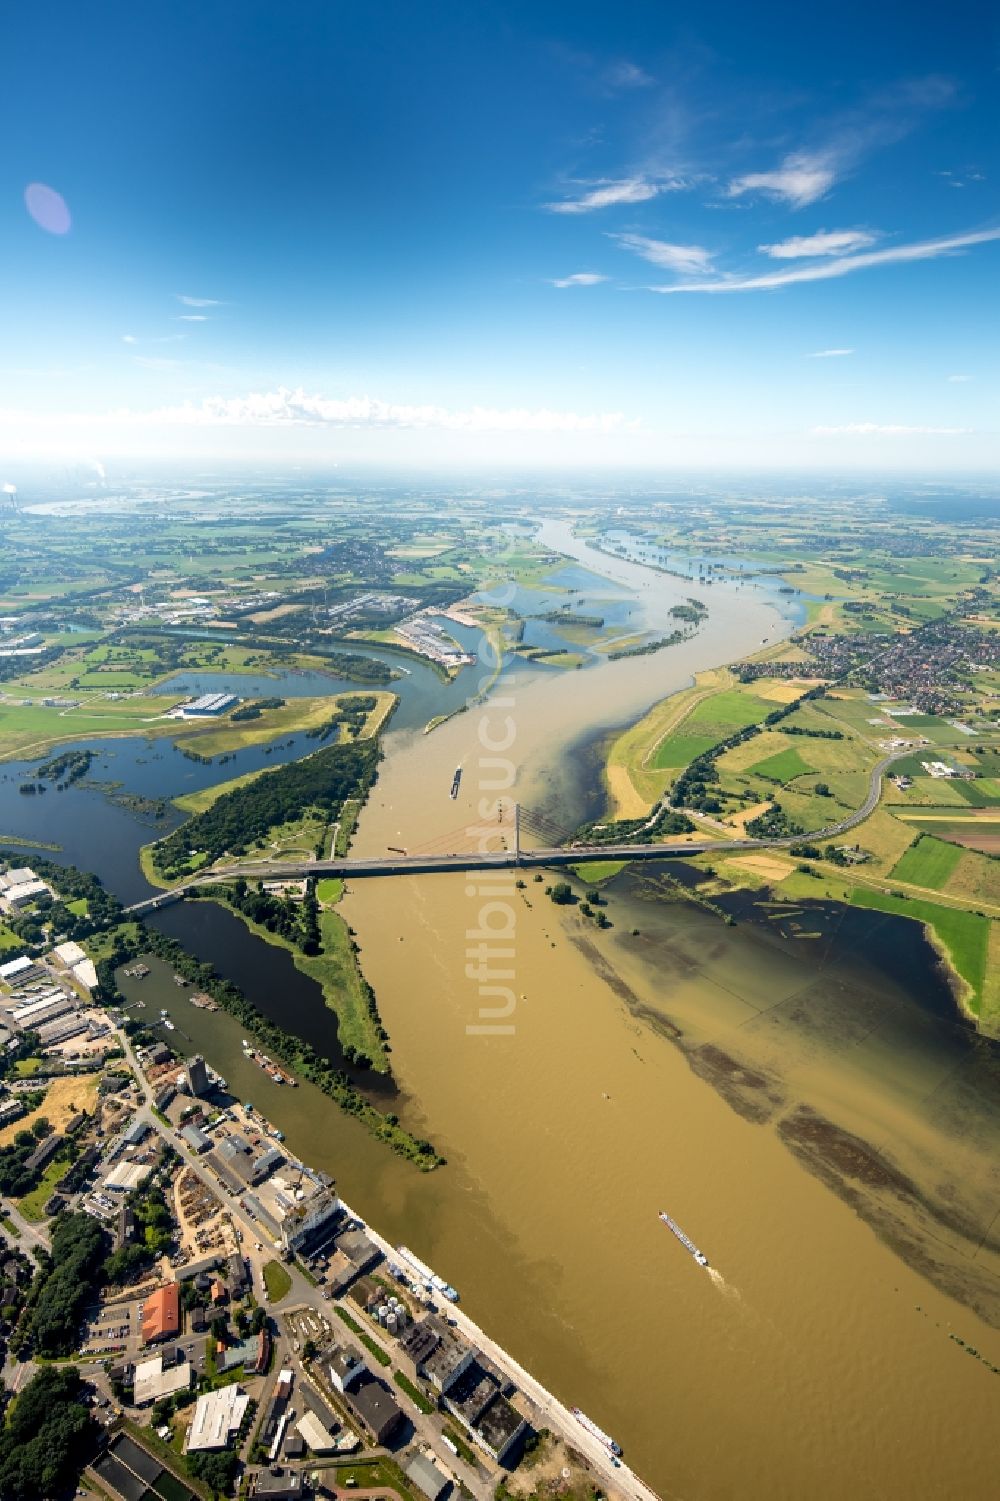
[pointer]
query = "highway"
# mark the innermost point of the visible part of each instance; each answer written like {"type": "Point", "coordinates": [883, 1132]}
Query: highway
{"type": "Point", "coordinates": [354, 867]}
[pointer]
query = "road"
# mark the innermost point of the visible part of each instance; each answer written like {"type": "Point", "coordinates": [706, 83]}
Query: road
{"type": "Point", "coordinates": [406, 865]}
{"type": "Point", "coordinates": [551, 1412]}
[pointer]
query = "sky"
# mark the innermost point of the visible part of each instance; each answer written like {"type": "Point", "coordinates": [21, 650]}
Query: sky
{"type": "Point", "coordinates": [542, 233]}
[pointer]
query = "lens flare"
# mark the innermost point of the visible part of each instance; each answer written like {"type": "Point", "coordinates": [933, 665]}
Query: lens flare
{"type": "Point", "coordinates": [47, 208]}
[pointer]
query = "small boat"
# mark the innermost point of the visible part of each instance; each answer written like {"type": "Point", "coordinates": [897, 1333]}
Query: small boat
{"type": "Point", "coordinates": [456, 782]}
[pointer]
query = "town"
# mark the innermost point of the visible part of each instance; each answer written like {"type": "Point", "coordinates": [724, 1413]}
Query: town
{"type": "Point", "coordinates": [233, 1322]}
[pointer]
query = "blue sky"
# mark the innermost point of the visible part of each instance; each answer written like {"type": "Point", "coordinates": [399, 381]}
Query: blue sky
{"type": "Point", "coordinates": [448, 232]}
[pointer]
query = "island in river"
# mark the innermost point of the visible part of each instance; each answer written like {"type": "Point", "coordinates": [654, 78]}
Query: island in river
{"type": "Point", "coordinates": [670, 1068]}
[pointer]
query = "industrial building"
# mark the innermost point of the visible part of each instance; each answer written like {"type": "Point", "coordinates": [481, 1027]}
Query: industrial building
{"type": "Point", "coordinates": [153, 1380]}
{"type": "Point", "coordinates": [217, 1418]}
{"type": "Point", "coordinates": [210, 704]}
{"type": "Point", "coordinates": [304, 1234]}
{"type": "Point", "coordinates": [426, 1476]}
{"type": "Point", "coordinates": [315, 1436]}
{"type": "Point", "coordinates": [197, 1075]}
{"type": "Point", "coordinates": [375, 1408]}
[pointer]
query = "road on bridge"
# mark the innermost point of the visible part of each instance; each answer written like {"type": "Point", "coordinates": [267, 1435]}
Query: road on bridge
{"type": "Point", "coordinates": [408, 865]}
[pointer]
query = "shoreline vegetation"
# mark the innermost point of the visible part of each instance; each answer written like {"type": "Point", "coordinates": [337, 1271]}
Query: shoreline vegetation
{"type": "Point", "coordinates": [130, 942]}
{"type": "Point", "coordinates": [335, 968]}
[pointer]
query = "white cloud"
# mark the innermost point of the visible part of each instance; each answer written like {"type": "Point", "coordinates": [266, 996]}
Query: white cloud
{"type": "Point", "coordinates": [626, 75]}
{"type": "Point", "coordinates": [197, 301]}
{"type": "Point", "coordinates": [886, 430]}
{"type": "Point", "coordinates": [192, 318]}
{"type": "Point", "coordinates": [287, 408]}
{"type": "Point", "coordinates": [684, 259]}
{"type": "Point", "coordinates": [801, 179]}
{"type": "Point", "coordinates": [828, 354]}
{"type": "Point", "coordinates": [606, 194]}
{"type": "Point", "coordinates": [922, 250]}
{"type": "Point", "coordinates": [129, 339]}
{"type": "Point", "coordinates": [824, 242]}
{"type": "Point", "coordinates": [959, 379]}
{"type": "Point", "coordinates": [156, 362]}
{"type": "Point", "coordinates": [578, 279]}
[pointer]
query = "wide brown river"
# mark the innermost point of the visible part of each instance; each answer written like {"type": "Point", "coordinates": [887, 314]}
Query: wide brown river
{"type": "Point", "coordinates": [805, 1107]}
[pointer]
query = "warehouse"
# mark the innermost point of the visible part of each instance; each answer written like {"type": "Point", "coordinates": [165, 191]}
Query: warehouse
{"type": "Point", "coordinates": [210, 704]}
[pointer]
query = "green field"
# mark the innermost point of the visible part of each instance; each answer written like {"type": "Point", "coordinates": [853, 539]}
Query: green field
{"type": "Point", "coordinates": [783, 767]}
{"type": "Point", "coordinates": [964, 935]}
{"type": "Point", "coordinates": [928, 862]}
{"type": "Point", "coordinates": [329, 890]}
{"type": "Point", "coordinates": [712, 720]}
{"type": "Point", "coordinates": [680, 750]}
{"type": "Point", "coordinates": [277, 1280]}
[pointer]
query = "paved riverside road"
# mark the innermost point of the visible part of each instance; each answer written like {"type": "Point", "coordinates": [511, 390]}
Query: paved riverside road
{"type": "Point", "coordinates": [409, 865]}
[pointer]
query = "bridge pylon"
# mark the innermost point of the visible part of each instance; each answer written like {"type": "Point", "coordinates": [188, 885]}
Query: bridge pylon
{"type": "Point", "coordinates": [517, 833]}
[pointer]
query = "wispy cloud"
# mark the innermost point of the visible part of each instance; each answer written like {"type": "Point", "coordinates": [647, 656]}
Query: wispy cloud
{"type": "Point", "coordinates": [801, 179]}
{"type": "Point", "coordinates": [197, 301]}
{"type": "Point", "coordinates": [192, 317]}
{"type": "Point", "coordinates": [626, 75]}
{"type": "Point", "coordinates": [959, 379]}
{"type": "Point", "coordinates": [156, 362]}
{"type": "Point", "coordinates": [684, 259]}
{"type": "Point", "coordinates": [129, 339]}
{"type": "Point", "coordinates": [887, 430]}
{"type": "Point", "coordinates": [962, 179]}
{"type": "Point", "coordinates": [578, 279]}
{"type": "Point", "coordinates": [828, 354]}
{"type": "Point", "coordinates": [287, 408]}
{"type": "Point", "coordinates": [922, 250]}
{"type": "Point", "coordinates": [823, 242]}
{"type": "Point", "coordinates": [606, 194]}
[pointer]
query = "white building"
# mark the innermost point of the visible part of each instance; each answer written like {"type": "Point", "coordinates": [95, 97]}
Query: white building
{"type": "Point", "coordinates": [153, 1382]}
{"type": "Point", "coordinates": [217, 1418]}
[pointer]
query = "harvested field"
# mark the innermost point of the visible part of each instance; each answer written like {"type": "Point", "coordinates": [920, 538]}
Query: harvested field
{"type": "Point", "coordinates": [785, 690]}
{"type": "Point", "coordinates": [63, 1098]}
{"type": "Point", "coordinates": [769, 866]}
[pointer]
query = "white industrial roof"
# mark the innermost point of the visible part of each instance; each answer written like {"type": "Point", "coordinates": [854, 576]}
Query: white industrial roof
{"type": "Point", "coordinates": [69, 953]}
{"type": "Point", "coordinates": [15, 967]}
{"type": "Point", "coordinates": [153, 1382]}
{"type": "Point", "coordinates": [86, 973]}
{"type": "Point", "coordinates": [216, 1415]}
{"type": "Point", "coordinates": [127, 1175]}
{"type": "Point", "coordinates": [315, 1435]}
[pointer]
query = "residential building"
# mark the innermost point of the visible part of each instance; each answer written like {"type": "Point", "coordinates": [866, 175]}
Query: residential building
{"type": "Point", "coordinates": [161, 1318]}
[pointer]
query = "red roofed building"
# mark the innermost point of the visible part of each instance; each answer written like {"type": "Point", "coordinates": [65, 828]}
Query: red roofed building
{"type": "Point", "coordinates": [161, 1314]}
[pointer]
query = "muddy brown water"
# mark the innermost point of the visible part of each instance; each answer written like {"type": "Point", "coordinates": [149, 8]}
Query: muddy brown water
{"type": "Point", "coordinates": [806, 1107]}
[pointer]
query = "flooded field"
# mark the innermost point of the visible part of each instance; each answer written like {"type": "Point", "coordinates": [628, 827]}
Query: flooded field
{"type": "Point", "coordinates": [796, 1090]}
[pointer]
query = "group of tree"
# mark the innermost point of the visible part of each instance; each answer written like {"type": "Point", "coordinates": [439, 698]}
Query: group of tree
{"type": "Point", "coordinates": [293, 1051]}
{"type": "Point", "coordinates": [295, 921]}
{"type": "Point", "coordinates": [16, 1178]}
{"type": "Point", "coordinates": [244, 816]}
{"type": "Point", "coordinates": [48, 1436]}
{"type": "Point", "coordinates": [66, 1282]}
